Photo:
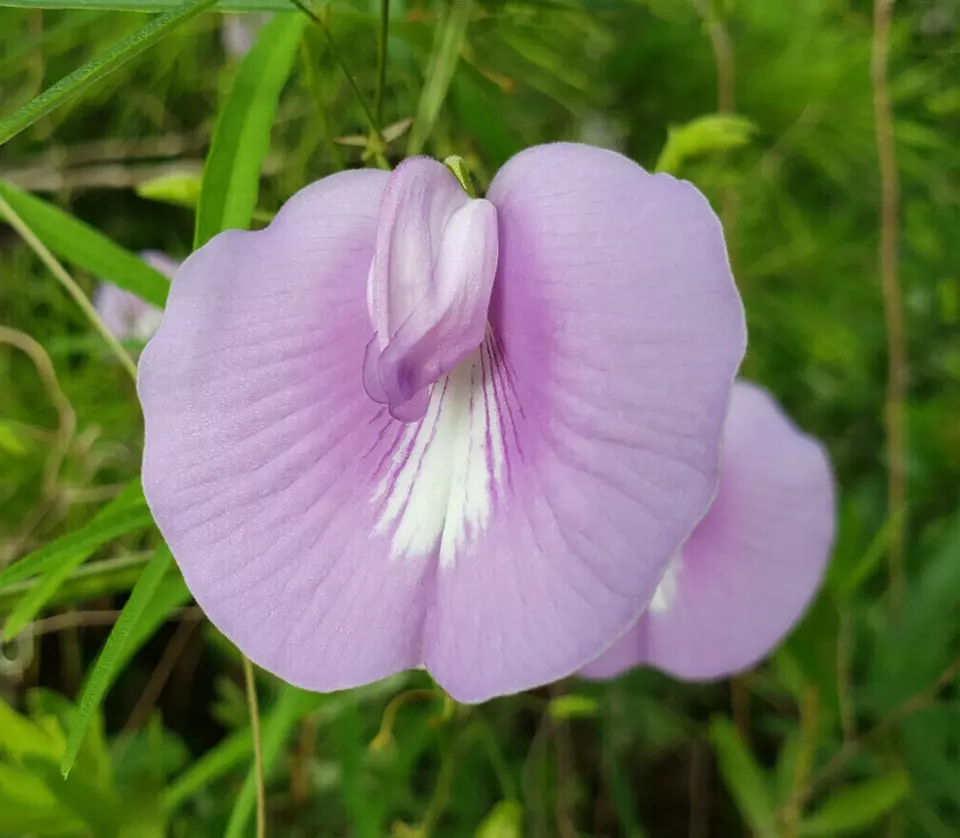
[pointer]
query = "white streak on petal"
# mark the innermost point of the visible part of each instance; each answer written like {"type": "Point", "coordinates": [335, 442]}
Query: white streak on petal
{"type": "Point", "coordinates": [440, 485]}
{"type": "Point", "coordinates": [666, 593]}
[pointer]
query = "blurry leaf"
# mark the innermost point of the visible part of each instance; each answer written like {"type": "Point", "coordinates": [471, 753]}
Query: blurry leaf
{"type": "Point", "coordinates": [930, 744]}
{"type": "Point", "coordinates": [27, 807]}
{"type": "Point", "coordinates": [292, 704]}
{"type": "Point", "coordinates": [105, 670]}
{"type": "Point", "coordinates": [86, 247]}
{"type": "Point", "coordinates": [504, 821]}
{"type": "Point", "coordinates": [241, 139]}
{"type": "Point", "coordinates": [180, 189]}
{"type": "Point", "coordinates": [480, 110]}
{"type": "Point", "coordinates": [572, 707]}
{"type": "Point", "coordinates": [448, 43]}
{"type": "Point", "coordinates": [914, 649]}
{"type": "Point", "coordinates": [11, 440]}
{"type": "Point", "coordinates": [97, 806]}
{"type": "Point", "coordinates": [125, 513]}
{"type": "Point", "coordinates": [216, 762]}
{"type": "Point", "coordinates": [845, 581]}
{"type": "Point", "coordinates": [704, 135]}
{"type": "Point", "coordinates": [743, 776]}
{"type": "Point", "coordinates": [93, 71]}
{"type": "Point", "coordinates": [786, 766]}
{"type": "Point", "coordinates": [56, 713]}
{"type": "Point", "coordinates": [19, 736]}
{"type": "Point", "coordinates": [854, 808]}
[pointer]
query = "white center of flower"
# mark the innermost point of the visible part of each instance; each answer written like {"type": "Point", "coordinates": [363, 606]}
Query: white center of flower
{"type": "Point", "coordinates": [439, 490]}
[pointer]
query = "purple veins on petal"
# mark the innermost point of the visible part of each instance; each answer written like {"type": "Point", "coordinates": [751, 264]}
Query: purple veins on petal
{"type": "Point", "coordinates": [400, 427]}
{"type": "Point", "coordinates": [752, 565]}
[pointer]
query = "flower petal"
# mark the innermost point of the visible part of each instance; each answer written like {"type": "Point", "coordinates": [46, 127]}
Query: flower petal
{"type": "Point", "coordinates": [596, 407]}
{"type": "Point", "coordinates": [752, 565]}
{"type": "Point", "coordinates": [262, 447]}
{"type": "Point", "coordinates": [430, 283]}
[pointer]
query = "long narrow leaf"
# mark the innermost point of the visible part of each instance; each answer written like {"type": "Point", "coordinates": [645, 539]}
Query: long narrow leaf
{"type": "Point", "coordinates": [76, 242]}
{"type": "Point", "coordinates": [125, 513]}
{"type": "Point", "coordinates": [105, 670]}
{"type": "Point", "coordinates": [122, 516]}
{"type": "Point", "coordinates": [743, 776]}
{"type": "Point", "coordinates": [231, 175]}
{"type": "Point", "coordinates": [855, 808]}
{"type": "Point", "coordinates": [90, 73]}
{"type": "Point", "coordinates": [442, 66]}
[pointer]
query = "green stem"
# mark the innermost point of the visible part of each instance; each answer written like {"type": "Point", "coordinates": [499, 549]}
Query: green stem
{"type": "Point", "coordinates": [382, 58]}
{"type": "Point", "coordinates": [68, 283]}
{"type": "Point", "coordinates": [368, 114]}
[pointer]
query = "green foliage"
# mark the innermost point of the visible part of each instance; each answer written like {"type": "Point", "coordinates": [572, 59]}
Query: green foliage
{"type": "Point", "coordinates": [231, 176]}
{"type": "Point", "coordinates": [852, 727]}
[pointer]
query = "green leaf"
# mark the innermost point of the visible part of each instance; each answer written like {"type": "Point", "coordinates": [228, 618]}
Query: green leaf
{"type": "Point", "coordinates": [745, 779]}
{"type": "Point", "coordinates": [710, 134]}
{"type": "Point", "coordinates": [153, 5]}
{"type": "Point", "coordinates": [857, 807]}
{"type": "Point", "coordinates": [443, 63]}
{"type": "Point", "coordinates": [231, 174]}
{"type": "Point", "coordinates": [572, 707]}
{"type": "Point", "coordinates": [291, 706]}
{"type": "Point", "coordinates": [94, 805]}
{"type": "Point", "coordinates": [126, 513]}
{"type": "Point", "coordinates": [210, 767]}
{"type": "Point", "coordinates": [105, 670]}
{"type": "Point", "coordinates": [19, 736]}
{"type": "Point", "coordinates": [181, 189]}
{"type": "Point", "coordinates": [86, 247]}
{"type": "Point", "coordinates": [504, 821]}
{"type": "Point", "coordinates": [90, 73]}
{"type": "Point", "coordinates": [28, 807]}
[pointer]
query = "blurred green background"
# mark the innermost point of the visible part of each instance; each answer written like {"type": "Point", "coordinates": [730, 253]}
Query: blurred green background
{"type": "Point", "coordinates": [851, 728]}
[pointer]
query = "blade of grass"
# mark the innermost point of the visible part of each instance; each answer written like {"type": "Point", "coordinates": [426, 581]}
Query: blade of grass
{"type": "Point", "coordinates": [231, 175]}
{"type": "Point", "coordinates": [105, 670]}
{"type": "Point", "coordinates": [86, 247]}
{"type": "Point", "coordinates": [123, 514]}
{"type": "Point", "coordinates": [90, 73]}
{"type": "Point", "coordinates": [67, 281]}
{"type": "Point", "coordinates": [443, 64]}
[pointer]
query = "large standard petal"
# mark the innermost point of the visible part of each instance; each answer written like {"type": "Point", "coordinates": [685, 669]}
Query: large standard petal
{"type": "Point", "coordinates": [586, 447]}
{"type": "Point", "coordinates": [262, 447]}
{"type": "Point", "coordinates": [752, 565]}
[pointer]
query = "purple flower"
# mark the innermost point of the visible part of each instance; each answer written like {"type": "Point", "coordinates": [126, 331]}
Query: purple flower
{"type": "Point", "coordinates": [559, 359]}
{"type": "Point", "coordinates": [754, 562]}
{"type": "Point", "coordinates": [123, 312]}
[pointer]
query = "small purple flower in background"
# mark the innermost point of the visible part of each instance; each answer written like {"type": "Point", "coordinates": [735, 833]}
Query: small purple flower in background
{"type": "Point", "coordinates": [124, 313]}
{"type": "Point", "coordinates": [403, 427]}
{"type": "Point", "coordinates": [754, 562]}
{"type": "Point", "coordinates": [238, 32]}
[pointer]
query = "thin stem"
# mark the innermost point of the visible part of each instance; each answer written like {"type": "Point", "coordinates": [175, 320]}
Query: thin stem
{"type": "Point", "coordinates": [382, 57]}
{"type": "Point", "coordinates": [257, 747]}
{"type": "Point", "coordinates": [69, 283]}
{"type": "Point", "coordinates": [368, 114]}
{"type": "Point", "coordinates": [892, 298]}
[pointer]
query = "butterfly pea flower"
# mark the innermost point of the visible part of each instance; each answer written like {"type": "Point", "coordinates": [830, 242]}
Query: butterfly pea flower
{"type": "Point", "coordinates": [752, 565]}
{"type": "Point", "coordinates": [123, 312]}
{"type": "Point", "coordinates": [405, 427]}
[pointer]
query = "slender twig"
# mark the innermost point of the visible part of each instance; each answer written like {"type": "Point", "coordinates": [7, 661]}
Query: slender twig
{"type": "Point", "coordinates": [161, 674]}
{"type": "Point", "coordinates": [69, 283]}
{"type": "Point", "coordinates": [844, 682]}
{"type": "Point", "coordinates": [78, 619]}
{"type": "Point", "coordinates": [338, 56]}
{"type": "Point", "coordinates": [382, 58]}
{"type": "Point", "coordinates": [919, 701]}
{"type": "Point", "coordinates": [257, 747]}
{"type": "Point", "coordinates": [809, 724]}
{"type": "Point", "coordinates": [892, 303]}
